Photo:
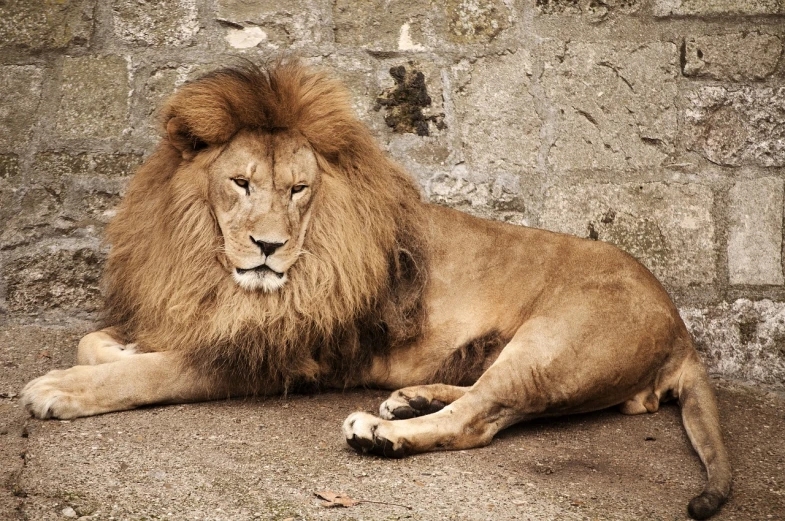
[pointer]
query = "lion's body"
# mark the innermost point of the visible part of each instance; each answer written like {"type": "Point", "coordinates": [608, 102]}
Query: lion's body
{"type": "Point", "coordinates": [483, 324]}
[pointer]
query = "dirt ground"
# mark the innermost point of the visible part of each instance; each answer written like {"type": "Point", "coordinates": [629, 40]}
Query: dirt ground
{"type": "Point", "coordinates": [266, 459]}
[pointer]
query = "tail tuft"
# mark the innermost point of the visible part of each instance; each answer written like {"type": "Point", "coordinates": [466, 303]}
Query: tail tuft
{"type": "Point", "coordinates": [702, 423]}
{"type": "Point", "coordinates": [705, 505]}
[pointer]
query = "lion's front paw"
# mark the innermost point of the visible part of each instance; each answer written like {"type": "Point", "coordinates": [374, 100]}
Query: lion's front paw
{"type": "Point", "coordinates": [400, 406]}
{"type": "Point", "coordinates": [60, 394]}
{"type": "Point", "coordinates": [367, 433]}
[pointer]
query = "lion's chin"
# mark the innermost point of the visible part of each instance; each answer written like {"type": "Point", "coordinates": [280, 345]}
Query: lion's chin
{"type": "Point", "coordinates": [267, 281]}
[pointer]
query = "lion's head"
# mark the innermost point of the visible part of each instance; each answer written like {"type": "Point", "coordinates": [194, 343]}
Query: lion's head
{"type": "Point", "coordinates": [262, 189]}
{"type": "Point", "coordinates": [268, 234]}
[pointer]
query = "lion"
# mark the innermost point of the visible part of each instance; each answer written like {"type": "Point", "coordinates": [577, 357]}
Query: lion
{"type": "Point", "coordinates": [268, 245]}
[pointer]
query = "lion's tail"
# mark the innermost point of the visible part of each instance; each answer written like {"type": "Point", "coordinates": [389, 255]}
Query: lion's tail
{"type": "Point", "coordinates": [701, 421]}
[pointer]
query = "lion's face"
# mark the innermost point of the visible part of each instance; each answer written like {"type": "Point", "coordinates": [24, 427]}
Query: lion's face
{"type": "Point", "coordinates": [261, 188]}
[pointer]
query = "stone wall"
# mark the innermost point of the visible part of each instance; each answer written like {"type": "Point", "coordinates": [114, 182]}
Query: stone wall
{"type": "Point", "coordinates": [658, 125]}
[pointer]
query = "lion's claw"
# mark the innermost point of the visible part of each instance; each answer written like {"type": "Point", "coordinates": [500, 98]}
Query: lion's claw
{"type": "Point", "coordinates": [401, 407]}
{"type": "Point", "coordinates": [360, 444]}
{"type": "Point", "coordinates": [362, 434]}
{"type": "Point", "coordinates": [59, 394]}
{"type": "Point", "coordinates": [403, 413]}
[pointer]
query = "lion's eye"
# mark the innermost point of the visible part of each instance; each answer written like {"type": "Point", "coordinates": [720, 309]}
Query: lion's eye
{"type": "Point", "coordinates": [242, 183]}
{"type": "Point", "coordinates": [296, 189]}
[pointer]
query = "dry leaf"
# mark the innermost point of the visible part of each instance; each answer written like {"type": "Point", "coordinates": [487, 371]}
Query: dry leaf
{"type": "Point", "coordinates": [335, 499]}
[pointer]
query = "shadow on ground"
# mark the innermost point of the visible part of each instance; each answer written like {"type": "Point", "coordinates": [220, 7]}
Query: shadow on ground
{"type": "Point", "coordinates": [265, 459]}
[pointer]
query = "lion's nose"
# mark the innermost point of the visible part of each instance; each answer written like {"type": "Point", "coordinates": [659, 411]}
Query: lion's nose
{"type": "Point", "coordinates": [268, 248]}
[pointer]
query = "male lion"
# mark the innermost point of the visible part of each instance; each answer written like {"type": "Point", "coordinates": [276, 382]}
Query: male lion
{"type": "Point", "coordinates": [269, 245]}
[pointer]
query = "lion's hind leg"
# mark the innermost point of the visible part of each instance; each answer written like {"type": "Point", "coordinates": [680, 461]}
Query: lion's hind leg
{"type": "Point", "coordinates": [419, 400]}
{"type": "Point", "coordinates": [102, 347]}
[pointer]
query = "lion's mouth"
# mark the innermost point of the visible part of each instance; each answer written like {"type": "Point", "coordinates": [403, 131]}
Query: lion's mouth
{"type": "Point", "coordinates": [262, 269]}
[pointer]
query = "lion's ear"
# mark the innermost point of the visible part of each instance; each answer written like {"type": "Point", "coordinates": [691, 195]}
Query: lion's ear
{"type": "Point", "coordinates": [183, 139]}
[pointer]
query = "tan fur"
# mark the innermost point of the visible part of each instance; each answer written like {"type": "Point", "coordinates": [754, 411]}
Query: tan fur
{"type": "Point", "coordinates": [268, 245]}
{"type": "Point", "coordinates": [166, 287]}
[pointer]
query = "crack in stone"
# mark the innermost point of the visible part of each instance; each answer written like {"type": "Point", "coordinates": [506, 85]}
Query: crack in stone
{"type": "Point", "coordinates": [588, 116]}
{"type": "Point", "coordinates": [618, 74]}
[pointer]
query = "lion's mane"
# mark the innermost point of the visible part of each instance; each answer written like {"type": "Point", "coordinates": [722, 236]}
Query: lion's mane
{"type": "Point", "coordinates": [357, 289]}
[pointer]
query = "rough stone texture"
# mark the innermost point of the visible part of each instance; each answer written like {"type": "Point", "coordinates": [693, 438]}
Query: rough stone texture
{"type": "Point", "coordinates": [615, 105]}
{"type": "Point", "coordinates": [283, 25]}
{"type": "Point", "coordinates": [736, 126]}
{"type": "Point", "coordinates": [35, 202]}
{"type": "Point", "coordinates": [735, 57]}
{"type": "Point", "coordinates": [67, 195]}
{"type": "Point", "coordinates": [396, 105]}
{"type": "Point", "coordinates": [114, 165]}
{"type": "Point", "coordinates": [477, 21]}
{"type": "Point", "coordinates": [499, 127]}
{"type": "Point", "coordinates": [46, 24]}
{"type": "Point", "coordinates": [94, 99]}
{"type": "Point", "coordinates": [744, 340]}
{"type": "Point", "coordinates": [90, 201]}
{"type": "Point", "coordinates": [716, 7]}
{"type": "Point", "coordinates": [502, 199]}
{"type": "Point", "coordinates": [668, 227]}
{"type": "Point", "coordinates": [156, 22]}
{"type": "Point", "coordinates": [755, 234]}
{"type": "Point", "coordinates": [61, 276]}
{"type": "Point", "coordinates": [20, 95]}
{"type": "Point", "coordinates": [378, 24]}
{"type": "Point", "coordinates": [595, 11]}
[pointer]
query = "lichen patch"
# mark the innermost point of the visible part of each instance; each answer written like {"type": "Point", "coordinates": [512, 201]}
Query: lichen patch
{"type": "Point", "coordinates": [405, 101]}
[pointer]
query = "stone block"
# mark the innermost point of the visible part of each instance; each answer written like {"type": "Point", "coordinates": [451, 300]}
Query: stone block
{"type": "Point", "coordinates": [95, 96]}
{"type": "Point", "coordinates": [33, 204]}
{"type": "Point", "coordinates": [734, 126]}
{"type": "Point", "coordinates": [115, 165]}
{"type": "Point", "coordinates": [592, 10]}
{"type": "Point", "coordinates": [743, 340]}
{"type": "Point", "coordinates": [615, 104]}
{"type": "Point", "coordinates": [91, 203]}
{"type": "Point", "coordinates": [755, 234]}
{"type": "Point", "coordinates": [732, 57]}
{"type": "Point", "coordinates": [58, 276]}
{"type": "Point", "coordinates": [90, 200]}
{"type": "Point", "coordinates": [9, 172]}
{"type": "Point", "coordinates": [411, 99]}
{"type": "Point", "coordinates": [20, 95]}
{"type": "Point", "coordinates": [501, 198]}
{"type": "Point", "coordinates": [408, 116]}
{"type": "Point", "coordinates": [156, 22]}
{"type": "Point", "coordinates": [272, 23]}
{"type": "Point", "coordinates": [42, 25]}
{"type": "Point", "coordinates": [476, 21]}
{"type": "Point", "coordinates": [64, 194]}
{"type": "Point", "coordinates": [499, 126]}
{"type": "Point", "coordinates": [668, 227]}
{"type": "Point", "coordinates": [715, 8]}
{"type": "Point", "coordinates": [388, 26]}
